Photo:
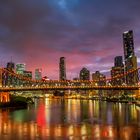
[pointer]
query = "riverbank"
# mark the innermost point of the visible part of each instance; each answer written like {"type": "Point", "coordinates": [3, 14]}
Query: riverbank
{"type": "Point", "coordinates": [16, 102]}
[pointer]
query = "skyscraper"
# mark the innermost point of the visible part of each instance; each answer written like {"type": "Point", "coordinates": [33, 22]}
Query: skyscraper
{"type": "Point", "coordinates": [20, 68]}
{"type": "Point", "coordinates": [62, 69]}
{"type": "Point", "coordinates": [84, 74]}
{"type": "Point", "coordinates": [99, 78]}
{"type": "Point", "coordinates": [129, 57]}
{"type": "Point", "coordinates": [8, 78]}
{"type": "Point", "coordinates": [38, 74]}
{"type": "Point", "coordinates": [128, 44]}
{"type": "Point", "coordinates": [11, 66]}
{"type": "Point", "coordinates": [118, 61]}
{"type": "Point", "coordinates": [117, 70]}
{"type": "Point", "coordinates": [27, 74]}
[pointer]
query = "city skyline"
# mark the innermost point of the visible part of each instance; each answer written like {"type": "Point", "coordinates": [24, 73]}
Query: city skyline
{"type": "Point", "coordinates": [119, 61]}
{"type": "Point", "coordinates": [88, 34]}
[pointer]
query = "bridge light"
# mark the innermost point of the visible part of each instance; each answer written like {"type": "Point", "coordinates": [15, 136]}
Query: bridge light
{"type": "Point", "coordinates": [45, 78]}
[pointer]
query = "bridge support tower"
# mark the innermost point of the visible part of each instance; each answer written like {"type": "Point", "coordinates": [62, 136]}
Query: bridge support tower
{"type": "Point", "coordinates": [0, 77]}
{"type": "Point", "coordinates": [4, 97]}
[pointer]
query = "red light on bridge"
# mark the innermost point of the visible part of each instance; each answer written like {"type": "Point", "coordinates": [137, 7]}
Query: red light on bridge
{"type": "Point", "coordinates": [45, 78]}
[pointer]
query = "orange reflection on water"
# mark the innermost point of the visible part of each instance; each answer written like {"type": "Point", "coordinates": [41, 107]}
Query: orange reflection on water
{"type": "Point", "coordinates": [31, 131]}
{"type": "Point", "coordinates": [50, 123]}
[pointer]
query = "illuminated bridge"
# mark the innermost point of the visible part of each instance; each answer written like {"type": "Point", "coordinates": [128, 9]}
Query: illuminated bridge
{"type": "Point", "coordinates": [10, 81]}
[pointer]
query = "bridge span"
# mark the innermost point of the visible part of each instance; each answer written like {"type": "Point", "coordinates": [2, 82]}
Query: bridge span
{"type": "Point", "coordinates": [10, 81]}
{"type": "Point", "coordinates": [6, 89]}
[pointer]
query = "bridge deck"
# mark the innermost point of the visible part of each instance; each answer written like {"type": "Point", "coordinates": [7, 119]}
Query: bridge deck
{"type": "Point", "coordinates": [71, 88]}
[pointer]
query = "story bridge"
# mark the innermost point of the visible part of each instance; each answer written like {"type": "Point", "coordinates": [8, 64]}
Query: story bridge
{"type": "Point", "coordinates": [10, 81]}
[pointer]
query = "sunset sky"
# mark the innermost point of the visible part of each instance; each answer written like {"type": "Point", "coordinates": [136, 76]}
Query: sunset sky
{"type": "Point", "coordinates": [87, 32]}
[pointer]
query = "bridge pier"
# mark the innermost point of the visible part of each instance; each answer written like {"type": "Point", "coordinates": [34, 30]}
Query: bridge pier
{"type": "Point", "coordinates": [0, 77]}
{"type": "Point", "coordinates": [4, 97]}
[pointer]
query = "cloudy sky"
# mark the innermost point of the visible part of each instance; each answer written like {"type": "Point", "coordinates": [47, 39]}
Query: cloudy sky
{"type": "Point", "coordinates": [87, 32]}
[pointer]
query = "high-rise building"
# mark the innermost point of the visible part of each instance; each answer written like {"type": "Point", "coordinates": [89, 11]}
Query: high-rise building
{"type": "Point", "coordinates": [27, 74]}
{"type": "Point", "coordinates": [62, 69]}
{"type": "Point", "coordinates": [117, 71]}
{"type": "Point", "coordinates": [84, 74]}
{"type": "Point", "coordinates": [130, 58]}
{"type": "Point", "coordinates": [38, 74]}
{"type": "Point", "coordinates": [9, 78]}
{"type": "Point", "coordinates": [99, 78]}
{"type": "Point", "coordinates": [10, 66]}
{"type": "Point", "coordinates": [118, 61]}
{"type": "Point", "coordinates": [20, 68]}
{"type": "Point", "coordinates": [128, 44]}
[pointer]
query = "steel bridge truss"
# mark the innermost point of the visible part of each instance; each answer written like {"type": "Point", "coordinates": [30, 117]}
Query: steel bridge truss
{"type": "Point", "coordinates": [9, 80]}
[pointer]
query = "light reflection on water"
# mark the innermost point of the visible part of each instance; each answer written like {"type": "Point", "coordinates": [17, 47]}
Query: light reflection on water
{"type": "Point", "coordinates": [71, 120]}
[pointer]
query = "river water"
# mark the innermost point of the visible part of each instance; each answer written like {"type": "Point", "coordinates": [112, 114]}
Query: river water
{"type": "Point", "coordinates": [71, 119]}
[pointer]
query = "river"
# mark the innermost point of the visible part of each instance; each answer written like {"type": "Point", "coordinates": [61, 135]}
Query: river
{"type": "Point", "coordinates": [71, 119]}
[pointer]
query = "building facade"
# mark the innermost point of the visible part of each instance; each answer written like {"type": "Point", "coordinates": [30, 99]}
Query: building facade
{"type": "Point", "coordinates": [84, 74]}
{"type": "Point", "coordinates": [130, 58]}
{"type": "Point", "coordinates": [128, 44]}
{"type": "Point", "coordinates": [118, 61]}
{"type": "Point", "coordinates": [117, 72]}
{"type": "Point", "coordinates": [9, 78]}
{"type": "Point", "coordinates": [117, 76]}
{"type": "Point", "coordinates": [99, 79]}
{"type": "Point", "coordinates": [62, 69]}
{"type": "Point", "coordinates": [38, 74]}
{"type": "Point", "coordinates": [20, 68]}
{"type": "Point", "coordinates": [11, 66]}
{"type": "Point", "coordinates": [27, 74]}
